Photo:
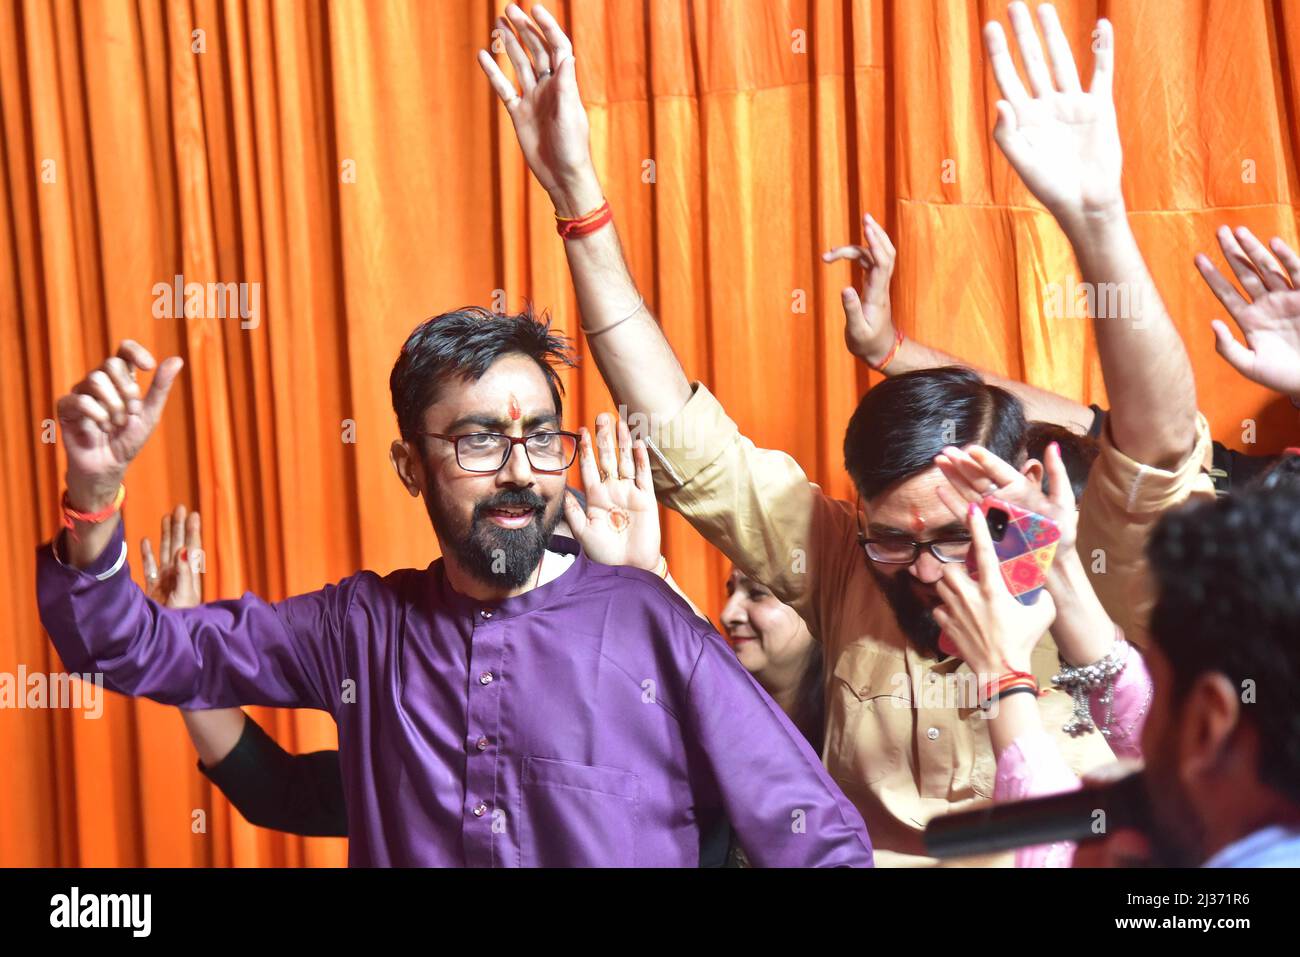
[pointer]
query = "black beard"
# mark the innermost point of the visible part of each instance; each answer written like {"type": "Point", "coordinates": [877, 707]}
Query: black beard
{"type": "Point", "coordinates": [1173, 827]}
{"type": "Point", "coordinates": [913, 616]}
{"type": "Point", "coordinates": [496, 556]}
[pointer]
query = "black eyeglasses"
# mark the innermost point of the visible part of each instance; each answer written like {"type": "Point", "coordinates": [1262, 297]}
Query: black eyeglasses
{"type": "Point", "coordinates": [897, 551]}
{"type": "Point", "coordinates": [489, 451]}
{"type": "Point", "coordinates": [900, 551]}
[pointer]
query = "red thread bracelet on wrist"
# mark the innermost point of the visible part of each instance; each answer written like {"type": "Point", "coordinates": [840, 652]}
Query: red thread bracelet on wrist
{"type": "Point", "coordinates": [71, 516]}
{"type": "Point", "coordinates": [898, 342]}
{"type": "Point", "coordinates": [576, 226]}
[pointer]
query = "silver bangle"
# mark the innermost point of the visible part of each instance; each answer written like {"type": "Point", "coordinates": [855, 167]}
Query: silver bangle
{"type": "Point", "coordinates": [1080, 682]}
{"type": "Point", "coordinates": [640, 304]}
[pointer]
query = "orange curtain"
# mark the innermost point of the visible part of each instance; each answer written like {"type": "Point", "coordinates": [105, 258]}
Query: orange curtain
{"type": "Point", "coordinates": [349, 159]}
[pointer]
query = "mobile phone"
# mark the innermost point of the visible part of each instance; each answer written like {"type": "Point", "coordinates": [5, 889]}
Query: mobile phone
{"type": "Point", "coordinates": [1025, 543]}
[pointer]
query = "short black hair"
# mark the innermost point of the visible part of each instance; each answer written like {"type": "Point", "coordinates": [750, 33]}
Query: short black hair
{"type": "Point", "coordinates": [905, 421]}
{"type": "Point", "coordinates": [1227, 576]}
{"type": "Point", "coordinates": [1078, 452]}
{"type": "Point", "coordinates": [1284, 471]}
{"type": "Point", "coordinates": [465, 343]}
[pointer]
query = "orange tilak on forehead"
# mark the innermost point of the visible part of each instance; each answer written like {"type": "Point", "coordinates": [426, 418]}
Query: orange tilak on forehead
{"type": "Point", "coordinates": [918, 521]}
{"type": "Point", "coordinates": [515, 411]}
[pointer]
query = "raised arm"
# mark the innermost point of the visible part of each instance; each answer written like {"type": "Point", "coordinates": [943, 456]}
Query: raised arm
{"type": "Point", "coordinates": [870, 333]}
{"type": "Point", "coordinates": [1064, 144]}
{"type": "Point", "coordinates": [245, 651]}
{"type": "Point", "coordinates": [630, 349]}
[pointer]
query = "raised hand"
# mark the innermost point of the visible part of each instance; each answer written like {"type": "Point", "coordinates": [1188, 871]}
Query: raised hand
{"type": "Point", "coordinates": [994, 633]}
{"type": "Point", "coordinates": [105, 421]}
{"type": "Point", "coordinates": [976, 473]}
{"type": "Point", "coordinates": [1268, 315]}
{"type": "Point", "coordinates": [176, 581]}
{"type": "Point", "coordinates": [621, 523]}
{"type": "Point", "coordinates": [1063, 142]}
{"type": "Point", "coordinates": [546, 108]}
{"type": "Point", "coordinates": [868, 319]}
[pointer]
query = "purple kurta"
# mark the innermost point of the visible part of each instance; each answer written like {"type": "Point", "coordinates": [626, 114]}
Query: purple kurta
{"type": "Point", "coordinates": [592, 721]}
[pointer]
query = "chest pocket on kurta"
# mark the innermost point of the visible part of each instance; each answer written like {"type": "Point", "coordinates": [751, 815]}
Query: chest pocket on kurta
{"type": "Point", "coordinates": [577, 815]}
{"type": "Point", "coordinates": [870, 718]}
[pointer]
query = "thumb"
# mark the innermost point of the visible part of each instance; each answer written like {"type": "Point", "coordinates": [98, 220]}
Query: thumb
{"type": "Point", "coordinates": [1058, 479]}
{"type": "Point", "coordinates": [574, 515]}
{"type": "Point", "coordinates": [1237, 355]}
{"type": "Point", "coordinates": [162, 384]}
{"type": "Point", "coordinates": [852, 303]}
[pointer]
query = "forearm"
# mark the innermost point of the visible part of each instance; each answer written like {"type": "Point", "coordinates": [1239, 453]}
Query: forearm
{"type": "Point", "coordinates": [295, 793]}
{"type": "Point", "coordinates": [1084, 633]}
{"type": "Point", "coordinates": [1040, 405]}
{"type": "Point", "coordinates": [1144, 362]}
{"type": "Point", "coordinates": [217, 655]}
{"type": "Point", "coordinates": [635, 359]}
{"type": "Point", "coordinates": [1127, 711]}
{"type": "Point", "coordinates": [214, 733]}
{"type": "Point", "coordinates": [1031, 766]}
{"type": "Point", "coordinates": [1010, 718]}
{"type": "Point", "coordinates": [88, 540]}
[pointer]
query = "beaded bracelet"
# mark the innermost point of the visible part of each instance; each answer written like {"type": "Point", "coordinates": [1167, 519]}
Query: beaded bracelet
{"type": "Point", "coordinates": [1080, 682]}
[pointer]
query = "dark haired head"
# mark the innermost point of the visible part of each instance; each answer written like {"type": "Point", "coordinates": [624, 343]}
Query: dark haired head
{"type": "Point", "coordinates": [464, 343]}
{"type": "Point", "coordinates": [463, 369]}
{"type": "Point", "coordinates": [1284, 472]}
{"type": "Point", "coordinates": [1228, 602]}
{"type": "Point", "coordinates": [1078, 452]}
{"type": "Point", "coordinates": [904, 422]}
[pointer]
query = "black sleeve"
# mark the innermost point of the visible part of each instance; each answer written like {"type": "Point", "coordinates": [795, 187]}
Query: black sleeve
{"type": "Point", "coordinates": [300, 794]}
{"type": "Point", "coordinates": [1098, 421]}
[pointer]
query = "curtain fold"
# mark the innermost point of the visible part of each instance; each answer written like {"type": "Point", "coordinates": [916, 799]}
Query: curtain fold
{"type": "Point", "coordinates": [348, 162]}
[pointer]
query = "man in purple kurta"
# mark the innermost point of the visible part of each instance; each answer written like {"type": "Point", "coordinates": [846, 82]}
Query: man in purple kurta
{"type": "Point", "coordinates": [517, 703]}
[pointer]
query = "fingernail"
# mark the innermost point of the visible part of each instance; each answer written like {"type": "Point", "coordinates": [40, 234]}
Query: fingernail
{"type": "Point", "coordinates": [1055, 447]}
{"type": "Point", "coordinates": [971, 509]}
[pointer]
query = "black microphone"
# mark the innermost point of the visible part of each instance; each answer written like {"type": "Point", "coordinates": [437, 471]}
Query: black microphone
{"type": "Point", "coordinates": [1086, 815]}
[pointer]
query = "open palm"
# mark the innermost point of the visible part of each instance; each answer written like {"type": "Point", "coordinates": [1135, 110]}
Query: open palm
{"type": "Point", "coordinates": [1268, 315]}
{"type": "Point", "coordinates": [620, 525]}
{"type": "Point", "coordinates": [1062, 141]}
{"type": "Point", "coordinates": [546, 108]}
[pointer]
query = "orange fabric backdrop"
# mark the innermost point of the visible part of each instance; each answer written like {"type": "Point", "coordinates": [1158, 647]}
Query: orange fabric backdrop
{"type": "Point", "coordinates": [771, 124]}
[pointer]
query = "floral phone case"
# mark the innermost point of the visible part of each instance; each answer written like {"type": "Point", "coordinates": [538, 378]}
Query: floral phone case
{"type": "Point", "coordinates": [1025, 547]}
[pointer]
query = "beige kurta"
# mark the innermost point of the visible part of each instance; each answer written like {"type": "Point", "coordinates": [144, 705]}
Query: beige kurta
{"type": "Point", "coordinates": [903, 740]}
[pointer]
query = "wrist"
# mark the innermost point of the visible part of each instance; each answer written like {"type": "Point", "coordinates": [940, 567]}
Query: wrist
{"type": "Point", "coordinates": [92, 493]}
{"type": "Point", "coordinates": [895, 346]}
{"type": "Point", "coordinates": [1094, 224]}
{"type": "Point", "coordinates": [577, 195]}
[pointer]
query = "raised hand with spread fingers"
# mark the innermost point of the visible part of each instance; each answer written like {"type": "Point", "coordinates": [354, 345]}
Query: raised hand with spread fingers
{"type": "Point", "coordinates": [174, 577]}
{"type": "Point", "coordinates": [620, 525]}
{"type": "Point", "coordinates": [1268, 315]}
{"type": "Point", "coordinates": [1064, 143]}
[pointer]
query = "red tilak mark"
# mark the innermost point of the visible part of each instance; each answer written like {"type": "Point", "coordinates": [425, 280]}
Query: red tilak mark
{"type": "Point", "coordinates": [514, 408]}
{"type": "Point", "coordinates": [618, 518]}
{"type": "Point", "coordinates": [918, 522]}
